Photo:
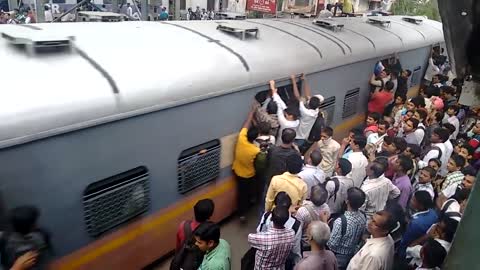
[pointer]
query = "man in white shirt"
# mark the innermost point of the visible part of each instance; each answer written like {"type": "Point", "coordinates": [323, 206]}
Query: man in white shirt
{"type": "Point", "coordinates": [358, 160]}
{"type": "Point", "coordinates": [452, 112]}
{"type": "Point", "coordinates": [129, 11]}
{"type": "Point", "coordinates": [329, 148]}
{"type": "Point", "coordinates": [311, 174]}
{"type": "Point", "coordinates": [436, 149]}
{"type": "Point", "coordinates": [307, 115]}
{"type": "Point", "coordinates": [287, 117]}
{"type": "Point", "coordinates": [378, 251]}
{"type": "Point", "coordinates": [378, 189]}
{"type": "Point", "coordinates": [48, 14]}
{"type": "Point", "coordinates": [377, 138]}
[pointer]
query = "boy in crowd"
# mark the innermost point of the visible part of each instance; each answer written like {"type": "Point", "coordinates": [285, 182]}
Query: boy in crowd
{"type": "Point", "coordinates": [358, 160]}
{"type": "Point", "coordinates": [410, 131]}
{"type": "Point", "coordinates": [397, 147]}
{"type": "Point", "coordinates": [372, 123]}
{"type": "Point", "coordinates": [217, 251]}
{"type": "Point", "coordinates": [454, 176]}
{"type": "Point", "coordinates": [413, 152]}
{"type": "Point", "coordinates": [452, 119]}
{"type": "Point", "coordinates": [425, 178]}
{"type": "Point", "coordinates": [401, 180]}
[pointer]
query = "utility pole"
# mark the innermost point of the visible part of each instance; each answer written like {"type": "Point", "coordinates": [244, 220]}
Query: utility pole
{"type": "Point", "coordinates": [145, 9]}
{"type": "Point", "coordinates": [39, 11]}
{"type": "Point", "coordinates": [176, 16]}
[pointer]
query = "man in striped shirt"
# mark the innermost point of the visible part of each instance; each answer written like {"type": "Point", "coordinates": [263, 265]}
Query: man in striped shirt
{"type": "Point", "coordinates": [274, 245]}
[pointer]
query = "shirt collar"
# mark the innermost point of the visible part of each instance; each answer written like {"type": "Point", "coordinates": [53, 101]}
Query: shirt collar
{"type": "Point", "coordinates": [421, 213]}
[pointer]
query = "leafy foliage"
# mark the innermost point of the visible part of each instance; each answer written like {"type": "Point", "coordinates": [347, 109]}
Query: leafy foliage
{"type": "Point", "coordinates": [427, 8]}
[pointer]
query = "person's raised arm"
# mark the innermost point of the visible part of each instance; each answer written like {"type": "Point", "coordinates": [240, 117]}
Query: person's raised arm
{"type": "Point", "coordinates": [307, 91]}
{"type": "Point", "coordinates": [274, 92]}
{"type": "Point", "coordinates": [249, 120]}
{"type": "Point", "coordinates": [296, 93]}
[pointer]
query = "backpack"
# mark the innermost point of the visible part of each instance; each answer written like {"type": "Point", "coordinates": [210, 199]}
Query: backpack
{"type": "Point", "coordinates": [422, 143]}
{"type": "Point", "coordinates": [14, 245]}
{"type": "Point", "coordinates": [261, 160]}
{"type": "Point", "coordinates": [444, 210]}
{"type": "Point", "coordinates": [314, 135]}
{"type": "Point", "coordinates": [428, 149]}
{"type": "Point", "coordinates": [337, 187]}
{"type": "Point", "coordinates": [189, 257]}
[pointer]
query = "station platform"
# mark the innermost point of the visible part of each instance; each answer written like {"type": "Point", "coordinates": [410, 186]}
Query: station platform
{"type": "Point", "coordinates": [235, 234]}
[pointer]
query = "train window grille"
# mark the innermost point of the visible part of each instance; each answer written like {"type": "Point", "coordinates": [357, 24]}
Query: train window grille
{"type": "Point", "coordinates": [112, 201]}
{"type": "Point", "coordinates": [416, 76]}
{"type": "Point", "coordinates": [328, 106]}
{"type": "Point", "coordinates": [198, 165]}
{"type": "Point", "coordinates": [351, 102]}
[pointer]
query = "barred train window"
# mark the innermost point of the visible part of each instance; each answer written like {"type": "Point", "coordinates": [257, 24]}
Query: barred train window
{"type": "Point", "coordinates": [112, 201]}
{"type": "Point", "coordinates": [198, 165]}
{"type": "Point", "coordinates": [328, 106]}
{"type": "Point", "coordinates": [350, 103]}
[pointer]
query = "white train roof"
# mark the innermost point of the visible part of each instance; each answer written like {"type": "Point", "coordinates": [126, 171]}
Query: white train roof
{"type": "Point", "coordinates": [156, 65]}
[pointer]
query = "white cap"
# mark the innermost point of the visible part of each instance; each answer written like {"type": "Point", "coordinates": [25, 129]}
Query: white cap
{"type": "Point", "coordinates": [320, 97]}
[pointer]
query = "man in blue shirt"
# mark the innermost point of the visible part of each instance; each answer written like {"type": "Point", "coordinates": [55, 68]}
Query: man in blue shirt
{"type": "Point", "coordinates": [163, 14]}
{"type": "Point", "coordinates": [422, 220]}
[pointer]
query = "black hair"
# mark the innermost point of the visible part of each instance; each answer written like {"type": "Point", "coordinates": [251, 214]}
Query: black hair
{"type": "Point", "coordinates": [450, 229]}
{"type": "Point", "coordinates": [203, 210]}
{"type": "Point", "coordinates": [388, 140]}
{"type": "Point", "coordinates": [377, 168]}
{"type": "Point", "coordinates": [424, 199]}
{"type": "Point", "coordinates": [360, 140]}
{"type": "Point", "coordinates": [469, 148]}
{"type": "Point", "coordinates": [434, 254]}
{"type": "Point", "coordinates": [403, 97]}
{"type": "Point", "coordinates": [405, 162]}
{"type": "Point", "coordinates": [432, 91]}
{"type": "Point", "coordinates": [455, 108]}
{"type": "Point", "coordinates": [282, 199]}
{"type": "Point", "coordinates": [345, 166]}
{"type": "Point", "coordinates": [414, 121]}
{"type": "Point", "coordinates": [375, 116]}
{"type": "Point", "coordinates": [459, 160]}
{"type": "Point", "coordinates": [436, 160]}
{"type": "Point", "coordinates": [382, 122]}
{"type": "Point", "coordinates": [383, 161]}
{"type": "Point", "coordinates": [400, 144]}
{"type": "Point", "coordinates": [418, 101]}
{"type": "Point", "coordinates": [390, 222]}
{"type": "Point", "coordinates": [264, 127]}
{"type": "Point", "coordinates": [439, 116]}
{"type": "Point", "coordinates": [356, 131]}
{"type": "Point", "coordinates": [469, 170]}
{"type": "Point", "coordinates": [356, 197]}
{"type": "Point", "coordinates": [461, 194]}
{"type": "Point", "coordinates": [294, 164]}
{"type": "Point", "coordinates": [449, 127]}
{"type": "Point", "coordinates": [409, 72]}
{"type": "Point", "coordinates": [328, 131]}
{"type": "Point", "coordinates": [208, 231]}
{"type": "Point", "coordinates": [272, 107]}
{"type": "Point", "coordinates": [316, 157]}
{"type": "Point", "coordinates": [292, 111]}
{"type": "Point", "coordinates": [389, 85]}
{"type": "Point", "coordinates": [252, 134]}
{"type": "Point", "coordinates": [280, 215]}
{"type": "Point", "coordinates": [448, 90]}
{"type": "Point", "coordinates": [314, 103]}
{"type": "Point", "coordinates": [423, 114]}
{"type": "Point", "coordinates": [24, 218]}
{"type": "Point", "coordinates": [415, 150]}
{"type": "Point", "coordinates": [442, 133]}
{"type": "Point", "coordinates": [431, 171]}
{"type": "Point", "coordinates": [288, 135]}
{"type": "Point", "coordinates": [318, 195]}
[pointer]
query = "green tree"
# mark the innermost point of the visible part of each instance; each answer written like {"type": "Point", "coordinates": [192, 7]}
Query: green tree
{"type": "Point", "coordinates": [427, 8]}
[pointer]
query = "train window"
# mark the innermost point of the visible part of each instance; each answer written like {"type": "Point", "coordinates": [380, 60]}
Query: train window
{"type": "Point", "coordinates": [198, 165]}
{"type": "Point", "coordinates": [112, 201]}
{"type": "Point", "coordinates": [328, 106]}
{"type": "Point", "coordinates": [58, 1]}
{"type": "Point", "coordinates": [416, 76]}
{"type": "Point", "coordinates": [285, 92]}
{"type": "Point", "coordinates": [350, 103]}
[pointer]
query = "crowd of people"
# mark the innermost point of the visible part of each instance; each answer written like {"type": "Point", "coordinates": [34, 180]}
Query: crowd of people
{"type": "Point", "coordinates": [388, 196]}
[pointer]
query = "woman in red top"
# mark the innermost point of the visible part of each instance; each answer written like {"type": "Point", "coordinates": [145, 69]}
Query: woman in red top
{"type": "Point", "coordinates": [381, 98]}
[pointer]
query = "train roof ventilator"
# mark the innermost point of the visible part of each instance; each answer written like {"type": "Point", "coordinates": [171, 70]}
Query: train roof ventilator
{"type": "Point", "coordinates": [413, 20]}
{"type": "Point", "coordinates": [238, 30]}
{"type": "Point", "coordinates": [34, 40]}
{"type": "Point", "coordinates": [379, 21]}
{"type": "Point", "coordinates": [329, 24]}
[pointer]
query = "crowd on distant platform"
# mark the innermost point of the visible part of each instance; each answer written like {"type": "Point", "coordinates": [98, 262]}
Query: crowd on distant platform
{"type": "Point", "coordinates": [390, 195]}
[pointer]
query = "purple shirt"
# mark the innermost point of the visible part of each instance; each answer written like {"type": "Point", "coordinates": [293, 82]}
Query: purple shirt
{"type": "Point", "coordinates": [405, 187]}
